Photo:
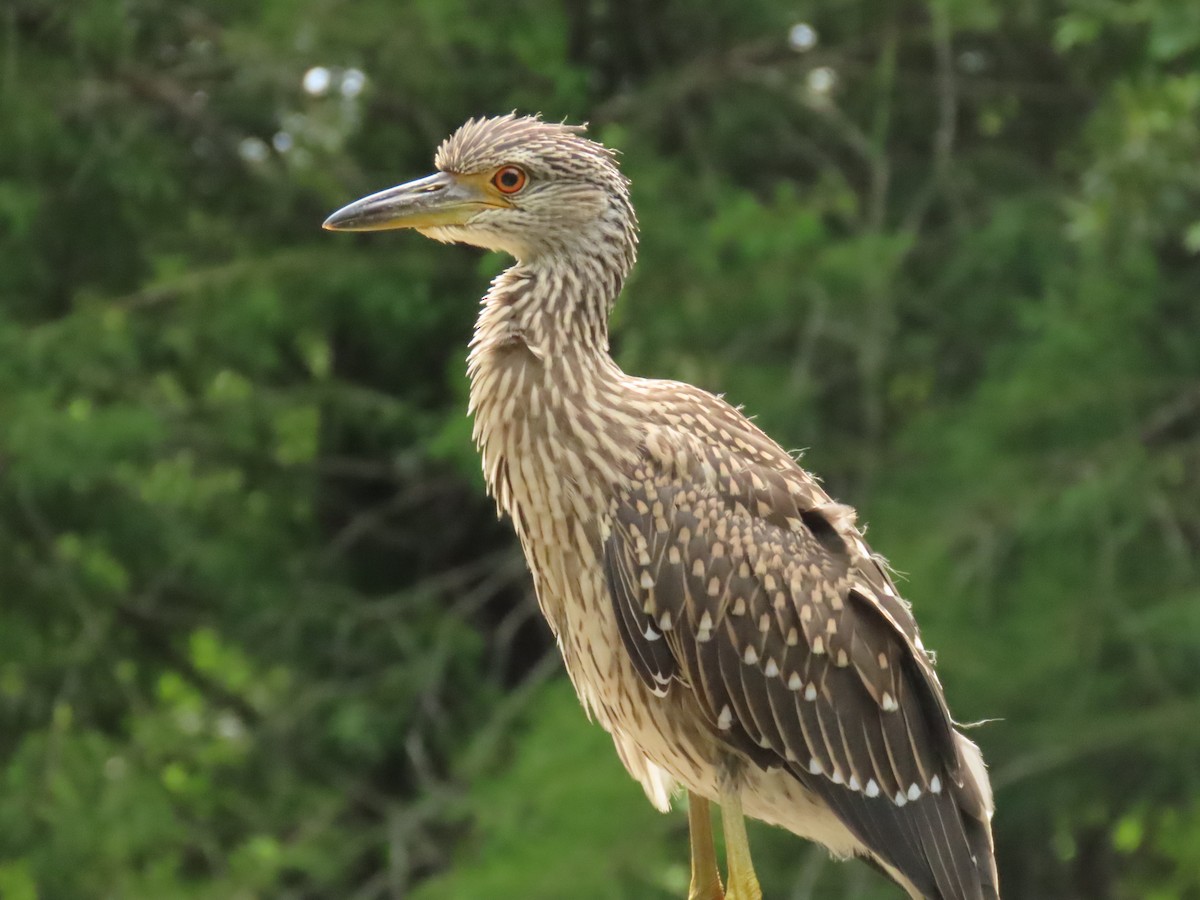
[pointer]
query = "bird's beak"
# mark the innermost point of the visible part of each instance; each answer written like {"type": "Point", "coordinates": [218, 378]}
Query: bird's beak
{"type": "Point", "coordinates": [441, 199]}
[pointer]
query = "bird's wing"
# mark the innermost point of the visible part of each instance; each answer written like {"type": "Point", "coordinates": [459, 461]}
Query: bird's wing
{"type": "Point", "coordinates": [740, 580]}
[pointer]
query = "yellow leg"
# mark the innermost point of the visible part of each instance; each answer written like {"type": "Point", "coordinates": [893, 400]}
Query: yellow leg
{"type": "Point", "coordinates": [742, 883]}
{"type": "Point", "coordinates": [706, 879]}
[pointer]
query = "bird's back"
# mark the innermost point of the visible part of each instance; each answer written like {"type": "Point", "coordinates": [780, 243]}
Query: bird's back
{"type": "Point", "coordinates": [741, 583]}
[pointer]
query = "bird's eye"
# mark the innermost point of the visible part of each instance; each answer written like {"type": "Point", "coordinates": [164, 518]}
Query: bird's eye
{"type": "Point", "coordinates": [510, 179]}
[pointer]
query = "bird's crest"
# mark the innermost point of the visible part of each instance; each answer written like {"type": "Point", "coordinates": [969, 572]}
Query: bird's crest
{"type": "Point", "coordinates": [486, 142]}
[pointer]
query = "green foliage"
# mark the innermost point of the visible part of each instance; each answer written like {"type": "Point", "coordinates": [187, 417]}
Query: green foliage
{"type": "Point", "coordinates": [562, 814]}
{"type": "Point", "coordinates": [260, 634]}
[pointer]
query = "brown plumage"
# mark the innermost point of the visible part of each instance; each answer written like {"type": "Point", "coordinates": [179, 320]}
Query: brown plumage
{"type": "Point", "coordinates": [718, 613]}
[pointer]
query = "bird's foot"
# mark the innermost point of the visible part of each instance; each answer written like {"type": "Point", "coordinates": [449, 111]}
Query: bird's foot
{"type": "Point", "coordinates": [743, 889]}
{"type": "Point", "coordinates": [742, 883]}
{"type": "Point", "coordinates": [706, 889]}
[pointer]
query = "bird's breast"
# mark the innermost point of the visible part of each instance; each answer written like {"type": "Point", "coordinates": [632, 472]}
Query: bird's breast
{"type": "Point", "coordinates": [555, 442]}
{"type": "Point", "coordinates": [550, 454]}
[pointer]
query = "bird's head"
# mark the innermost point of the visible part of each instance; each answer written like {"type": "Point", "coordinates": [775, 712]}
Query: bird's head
{"type": "Point", "coordinates": [511, 183]}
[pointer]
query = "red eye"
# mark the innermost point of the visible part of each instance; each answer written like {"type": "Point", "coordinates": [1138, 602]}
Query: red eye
{"type": "Point", "coordinates": [510, 179]}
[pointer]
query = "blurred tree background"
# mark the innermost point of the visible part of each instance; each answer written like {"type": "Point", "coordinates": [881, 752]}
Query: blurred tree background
{"type": "Point", "coordinates": [261, 634]}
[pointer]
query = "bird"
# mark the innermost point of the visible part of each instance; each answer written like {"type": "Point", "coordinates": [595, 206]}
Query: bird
{"type": "Point", "coordinates": [718, 613]}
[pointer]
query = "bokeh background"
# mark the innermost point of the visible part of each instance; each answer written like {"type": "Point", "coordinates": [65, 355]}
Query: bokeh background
{"type": "Point", "coordinates": [261, 634]}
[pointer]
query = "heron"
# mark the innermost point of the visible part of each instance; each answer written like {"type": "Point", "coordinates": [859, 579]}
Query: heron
{"type": "Point", "coordinates": [718, 613]}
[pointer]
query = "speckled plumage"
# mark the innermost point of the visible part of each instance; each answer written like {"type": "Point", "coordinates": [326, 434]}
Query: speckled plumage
{"type": "Point", "coordinates": [717, 612]}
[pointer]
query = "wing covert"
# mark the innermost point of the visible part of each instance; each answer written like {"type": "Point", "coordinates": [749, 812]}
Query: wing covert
{"type": "Point", "coordinates": [748, 586]}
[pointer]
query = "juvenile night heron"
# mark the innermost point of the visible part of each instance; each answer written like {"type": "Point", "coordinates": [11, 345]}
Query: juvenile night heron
{"type": "Point", "coordinates": [719, 615]}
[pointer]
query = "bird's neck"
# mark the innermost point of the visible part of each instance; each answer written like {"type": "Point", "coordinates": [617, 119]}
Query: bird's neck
{"type": "Point", "coordinates": [557, 306]}
{"type": "Point", "coordinates": [539, 361]}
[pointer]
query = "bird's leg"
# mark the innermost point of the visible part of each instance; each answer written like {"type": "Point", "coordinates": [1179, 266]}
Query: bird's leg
{"type": "Point", "coordinates": [706, 878]}
{"type": "Point", "coordinates": [742, 883]}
